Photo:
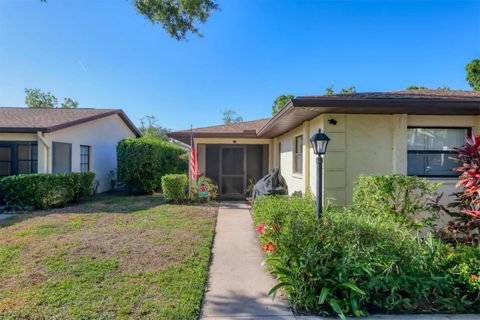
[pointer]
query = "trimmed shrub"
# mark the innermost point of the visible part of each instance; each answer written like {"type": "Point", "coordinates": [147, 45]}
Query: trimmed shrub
{"type": "Point", "coordinates": [351, 263]}
{"type": "Point", "coordinates": [399, 197]}
{"type": "Point", "coordinates": [41, 191]}
{"type": "Point", "coordinates": [143, 161]}
{"type": "Point", "coordinates": [174, 187]}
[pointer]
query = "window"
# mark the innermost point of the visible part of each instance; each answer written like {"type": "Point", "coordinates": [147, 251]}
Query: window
{"type": "Point", "coordinates": [298, 165]}
{"type": "Point", "coordinates": [62, 157]}
{"type": "Point", "coordinates": [84, 158]}
{"type": "Point", "coordinates": [429, 150]}
{"type": "Point", "coordinates": [27, 158]}
{"type": "Point", "coordinates": [5, 161]}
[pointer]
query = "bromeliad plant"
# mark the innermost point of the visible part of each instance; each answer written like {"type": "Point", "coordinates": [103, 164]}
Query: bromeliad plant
{"type": "Point", "coordinates": [465, 209]}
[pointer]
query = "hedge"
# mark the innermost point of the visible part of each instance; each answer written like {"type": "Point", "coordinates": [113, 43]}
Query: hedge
{"type": "Point", "coordinates": [41, 191]}
{"type": "Point", "coordinates": [174, 187]}
{"type": "Point", "coordinates": [143, 161]}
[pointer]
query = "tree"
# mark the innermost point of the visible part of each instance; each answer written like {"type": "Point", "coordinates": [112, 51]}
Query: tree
{"type": "Point", "coordinates": [329, 90]}
{"type": "Point", "coordinates": [35, 98]}
{"type": "Point", "coordinates": [280, 102]}
{"type": "Point", "coordinates": [230, 116]}
{"type": "Point", "coordinates": [350, 90]}
{"type": "Point", "coordinates": [177, 17]}
{"type": "Point", "coordinates": [69, 104]}
{"type": "Point", "coordinates": [409, 88]}
{"type": "Point", "coordinates": [149, 128]}
{"type": "Point", "coordinates": [473, 74]}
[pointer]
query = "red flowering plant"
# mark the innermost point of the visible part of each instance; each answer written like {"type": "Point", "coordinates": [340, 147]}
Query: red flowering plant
{"type": "Point", "coordinates": [465, 209]}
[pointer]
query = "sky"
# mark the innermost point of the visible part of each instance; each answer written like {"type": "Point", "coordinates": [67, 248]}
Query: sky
{"type": "Point", "coordinates": [103, 54]}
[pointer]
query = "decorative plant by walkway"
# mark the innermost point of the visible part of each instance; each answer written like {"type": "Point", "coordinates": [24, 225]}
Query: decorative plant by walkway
{"type": "Point", "coordinates": [465, 209]}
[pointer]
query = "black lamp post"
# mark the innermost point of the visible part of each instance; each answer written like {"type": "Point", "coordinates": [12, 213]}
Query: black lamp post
{"type": "Point", "coordinates": [319, 142]}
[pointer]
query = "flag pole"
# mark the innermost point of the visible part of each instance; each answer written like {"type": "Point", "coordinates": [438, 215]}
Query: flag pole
{"type": "Point", "coordinates": [190, 165]}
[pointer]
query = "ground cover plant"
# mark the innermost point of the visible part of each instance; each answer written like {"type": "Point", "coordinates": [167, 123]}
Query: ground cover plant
{"type": "Point", "coordinates": [349, 263]}
{"type": "Point", "coordinates": [115, 257]}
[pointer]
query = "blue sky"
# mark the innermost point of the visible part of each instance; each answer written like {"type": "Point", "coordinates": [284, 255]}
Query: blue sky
{"type": "Point", "coordinates": [102, 54]}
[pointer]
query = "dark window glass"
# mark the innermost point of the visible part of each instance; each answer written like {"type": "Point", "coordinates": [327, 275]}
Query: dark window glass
{"type": "Point", "coordinates": [430, 149]}
{"type": "Point", "coordinates": [62, 157]}
{"type": "Point", "coordinates": [298, 165]}
{"type": "Point", "coordinates": [27, 158]}
{"type": "Point", "coordinates": [5, 161]}
{"type": "Point", "coordinates": [84, 158]}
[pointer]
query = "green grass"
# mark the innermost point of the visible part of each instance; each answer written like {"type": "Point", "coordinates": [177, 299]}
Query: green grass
{"type": "Point", "coordinates": [115, 257]}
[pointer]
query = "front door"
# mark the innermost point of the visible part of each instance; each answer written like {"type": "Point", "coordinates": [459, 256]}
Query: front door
{"type": "Point", "coordinates": [233, 167]}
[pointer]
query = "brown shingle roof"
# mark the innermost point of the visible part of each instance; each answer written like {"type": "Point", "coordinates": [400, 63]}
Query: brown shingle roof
{"type": "Point", "coordinates": [242, 129]}
{"type": "Point", "coordinates": [48, 120]}
{"type": "Point", "coordinates": [406, 94]}
{"type": "Point", "coordinates": [303, 108]}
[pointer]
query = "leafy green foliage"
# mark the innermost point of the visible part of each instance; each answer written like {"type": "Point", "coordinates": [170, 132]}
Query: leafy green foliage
{"type": "Point", "coordinates": [177, 17]}
{"type": "Point", "coordinates": [69, 104]}
{"type": "Point", "coordinates": [149, 128]}
{"type": "Point", "coordinates": [230, 116]}
{"type": "Point", "coordinates": [142, 162]}
{"type": "Point", "coordinates": [473, 74]}
{"type": "Point", "coordinates": [409, 88]}
{"type": "Point", "coordinates": [329, 90]}
{"type": "Point", "coordinates": [349, 90]}
{"type": "Point", "coordinates": [40, 191]}
{"type": "Point", "coordinates": [348, 263]}
{"type": "Point", "coordinates": [280, 102]}
{"type": "Point", "coordinates": [441, 88]}
{"type": "Point", "coordinates": [465, 208]}
{"type": "Point", "coordinates": [399, 197]}
{"type": "Point", "coordinates": [35, 98]}
{"type": "Point", "coordinates": [174, 187]}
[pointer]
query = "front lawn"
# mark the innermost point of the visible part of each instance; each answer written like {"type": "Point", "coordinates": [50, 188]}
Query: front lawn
{"type": "Point", "coordinates": [115, 257]}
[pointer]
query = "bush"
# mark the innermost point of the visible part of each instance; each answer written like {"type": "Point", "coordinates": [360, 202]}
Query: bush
{"type": "Point", "coordinates": [397, 196]}
{"type": "Point", "coordinates": [143, 161]}
{"type": "Point", "coordinates": [174, 187]}
{"type": "Point", "coordinates": [351, 263]}
{"type": "Point", "coordinates": [41, 191]}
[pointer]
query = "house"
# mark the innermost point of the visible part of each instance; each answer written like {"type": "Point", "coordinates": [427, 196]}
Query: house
{"type": "Point", "coordinates": [62, 140]}
{"type": "Point", "coordinates": [404, 132]}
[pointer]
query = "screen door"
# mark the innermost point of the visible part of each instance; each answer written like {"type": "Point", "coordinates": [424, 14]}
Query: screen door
{"type": "Point", "coordinates": [232, 171]}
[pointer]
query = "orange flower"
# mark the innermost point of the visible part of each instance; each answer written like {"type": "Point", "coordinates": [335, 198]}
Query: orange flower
{"type": "Point", "coordinates": [269, 247]}
{"type": "Point", "coordinates": [474, 277]}
{"type": "Point", "coordinates": [261, 228]}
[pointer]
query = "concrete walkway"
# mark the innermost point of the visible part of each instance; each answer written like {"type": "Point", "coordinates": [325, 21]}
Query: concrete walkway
{"type": "Point", "coordinates": [238, 286]}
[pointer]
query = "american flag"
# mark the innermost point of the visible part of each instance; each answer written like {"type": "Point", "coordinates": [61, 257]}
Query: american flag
{"type": "Point", "coordinates": [193, 160]}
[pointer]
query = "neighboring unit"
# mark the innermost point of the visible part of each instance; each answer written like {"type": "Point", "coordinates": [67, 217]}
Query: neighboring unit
{"type": "Point", "coordinates": [62, 140]}
{"type": "Point", "coordinates": [405, 132]}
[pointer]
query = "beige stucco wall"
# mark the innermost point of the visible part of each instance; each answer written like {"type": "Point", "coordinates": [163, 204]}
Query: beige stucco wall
{"type": "Point", "coordinates": [101, 135]}
{"type": "Point", "coordinates": [360, 144]}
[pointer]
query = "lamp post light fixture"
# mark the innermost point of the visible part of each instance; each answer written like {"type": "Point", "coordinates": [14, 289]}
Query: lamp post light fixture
{"type": "Point", "coordinates": [319, 142]}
